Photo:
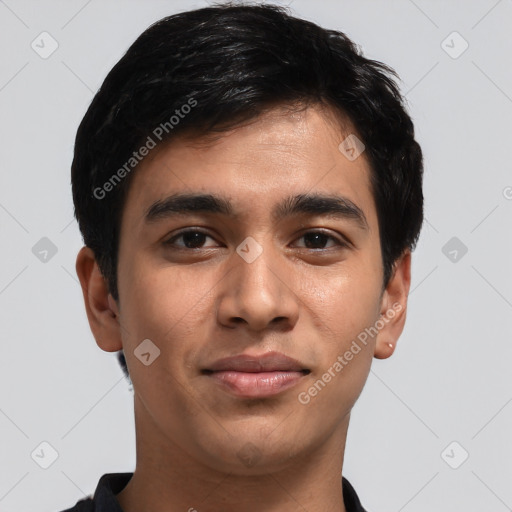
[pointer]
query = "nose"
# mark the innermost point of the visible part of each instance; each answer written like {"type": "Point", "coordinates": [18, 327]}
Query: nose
{"type": "Point", "coordinates": [259, 293]}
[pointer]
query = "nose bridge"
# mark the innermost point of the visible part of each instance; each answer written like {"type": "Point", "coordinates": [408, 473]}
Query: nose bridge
{"type": "Point", "coordinates": [257, 269]}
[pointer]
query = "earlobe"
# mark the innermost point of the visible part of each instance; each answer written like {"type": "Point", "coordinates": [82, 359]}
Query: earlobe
{"type": "Point", "coordinates": [394, 307]}
{"type": "Point", "coordinates": [101, 309]}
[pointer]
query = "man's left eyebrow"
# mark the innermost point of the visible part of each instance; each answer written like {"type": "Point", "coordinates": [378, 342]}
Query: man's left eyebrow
{"type": "Point", "coordinates": [334, 206]}
{"type": "Point", "coordinates": [303, 204]}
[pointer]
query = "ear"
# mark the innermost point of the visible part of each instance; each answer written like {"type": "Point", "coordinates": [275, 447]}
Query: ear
{"type": "Point", "coordinates": [102, 310]}
{"type": "Point", "coordinates": [394, 307]}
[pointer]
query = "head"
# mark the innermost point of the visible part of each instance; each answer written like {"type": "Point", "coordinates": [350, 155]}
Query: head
{"type": "Point", "coordinates": [248, 125]}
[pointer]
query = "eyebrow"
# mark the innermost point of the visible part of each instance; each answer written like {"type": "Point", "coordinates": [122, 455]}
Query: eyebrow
{"type": "Point", "coordinates": [334, 206]}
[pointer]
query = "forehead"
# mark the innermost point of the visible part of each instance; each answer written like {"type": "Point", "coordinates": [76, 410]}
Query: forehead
{"type": "Point", "coordinates": [279, 155]}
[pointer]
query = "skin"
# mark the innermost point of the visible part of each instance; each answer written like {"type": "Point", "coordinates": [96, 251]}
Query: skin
{"type": "Point", "coordinates": [199, 305]}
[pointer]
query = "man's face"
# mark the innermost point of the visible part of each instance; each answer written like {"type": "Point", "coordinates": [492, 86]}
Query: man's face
{"type": "Point", "coordinates": [303, 285]}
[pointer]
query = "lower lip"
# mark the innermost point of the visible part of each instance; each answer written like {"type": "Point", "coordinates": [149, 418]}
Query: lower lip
{"type": "Point", "coordinates": [256, 385]}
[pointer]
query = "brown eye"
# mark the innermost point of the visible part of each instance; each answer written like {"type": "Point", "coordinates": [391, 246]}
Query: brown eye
{"type": "Point", "coordinates": [192, 239]}
{"type": "Point", "coordinates": [318, 239]}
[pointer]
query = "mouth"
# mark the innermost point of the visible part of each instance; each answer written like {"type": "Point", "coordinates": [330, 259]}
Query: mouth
{"type": "Point", "coordinates": [249, 376]}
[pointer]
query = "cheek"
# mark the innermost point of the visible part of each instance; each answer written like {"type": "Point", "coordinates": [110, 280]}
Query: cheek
{"type": "Point", "coordinates": [168, 308]}
{"type": "Point", "coordinates": [160, 298]}
{"type": "Point", "coordinates": [353, 307]}
{"type": "Point", "coordinates": [342, 302]}
{"type": "Point", "coordinates": [172, 309]}
{"type": "Point", "coordinates": [341, 311]}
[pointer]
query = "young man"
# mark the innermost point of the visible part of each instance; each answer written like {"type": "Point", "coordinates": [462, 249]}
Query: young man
{"type": "Point", "coordinates": [249, 191]}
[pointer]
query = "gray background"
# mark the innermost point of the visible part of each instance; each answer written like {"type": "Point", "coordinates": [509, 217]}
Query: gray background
{"type": "Point", "coordinates": [449, 379]}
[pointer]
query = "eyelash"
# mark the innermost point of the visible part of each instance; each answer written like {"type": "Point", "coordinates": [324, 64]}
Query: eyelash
{"type": "Point", "coordinates": [170, 242]}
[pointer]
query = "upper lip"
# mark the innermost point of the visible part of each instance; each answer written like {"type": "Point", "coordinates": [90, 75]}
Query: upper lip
{"type": "Point", "coordinates": [269, 362]}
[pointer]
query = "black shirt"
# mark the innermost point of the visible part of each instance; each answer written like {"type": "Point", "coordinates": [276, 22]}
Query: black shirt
{"type": "Point", "coordinates": [110, 484]}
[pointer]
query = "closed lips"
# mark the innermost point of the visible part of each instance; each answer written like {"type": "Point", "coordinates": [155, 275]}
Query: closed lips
{"type": "Point", "coordinates": [270, 362]}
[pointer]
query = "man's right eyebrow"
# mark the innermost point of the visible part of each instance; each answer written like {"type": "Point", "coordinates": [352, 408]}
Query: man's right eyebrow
{"type": "Point", "coordinates": [182, 204]}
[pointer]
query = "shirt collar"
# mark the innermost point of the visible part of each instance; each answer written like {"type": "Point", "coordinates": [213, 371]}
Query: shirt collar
{"type": "Point", "coordinates": [111, 484]}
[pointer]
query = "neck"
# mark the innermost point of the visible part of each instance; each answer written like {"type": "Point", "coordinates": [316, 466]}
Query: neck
{"type": "Point", "coordinates": [168, 479]}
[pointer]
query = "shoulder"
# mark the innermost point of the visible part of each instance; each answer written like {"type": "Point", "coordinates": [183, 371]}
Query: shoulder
{"type": "Point", "coordinates": [350, 497]}
{"type": "Point", "coordinates": [85, 505]}
{"type": "Point", "coordinates": [104, 498]}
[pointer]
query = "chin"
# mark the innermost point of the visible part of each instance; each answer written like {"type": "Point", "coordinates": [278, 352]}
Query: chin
{"type": "Point", "coordinates": [248, 455]}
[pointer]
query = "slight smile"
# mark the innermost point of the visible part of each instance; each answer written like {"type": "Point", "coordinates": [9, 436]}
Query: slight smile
{"type": "Point", "coordinates": [262, 376]}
